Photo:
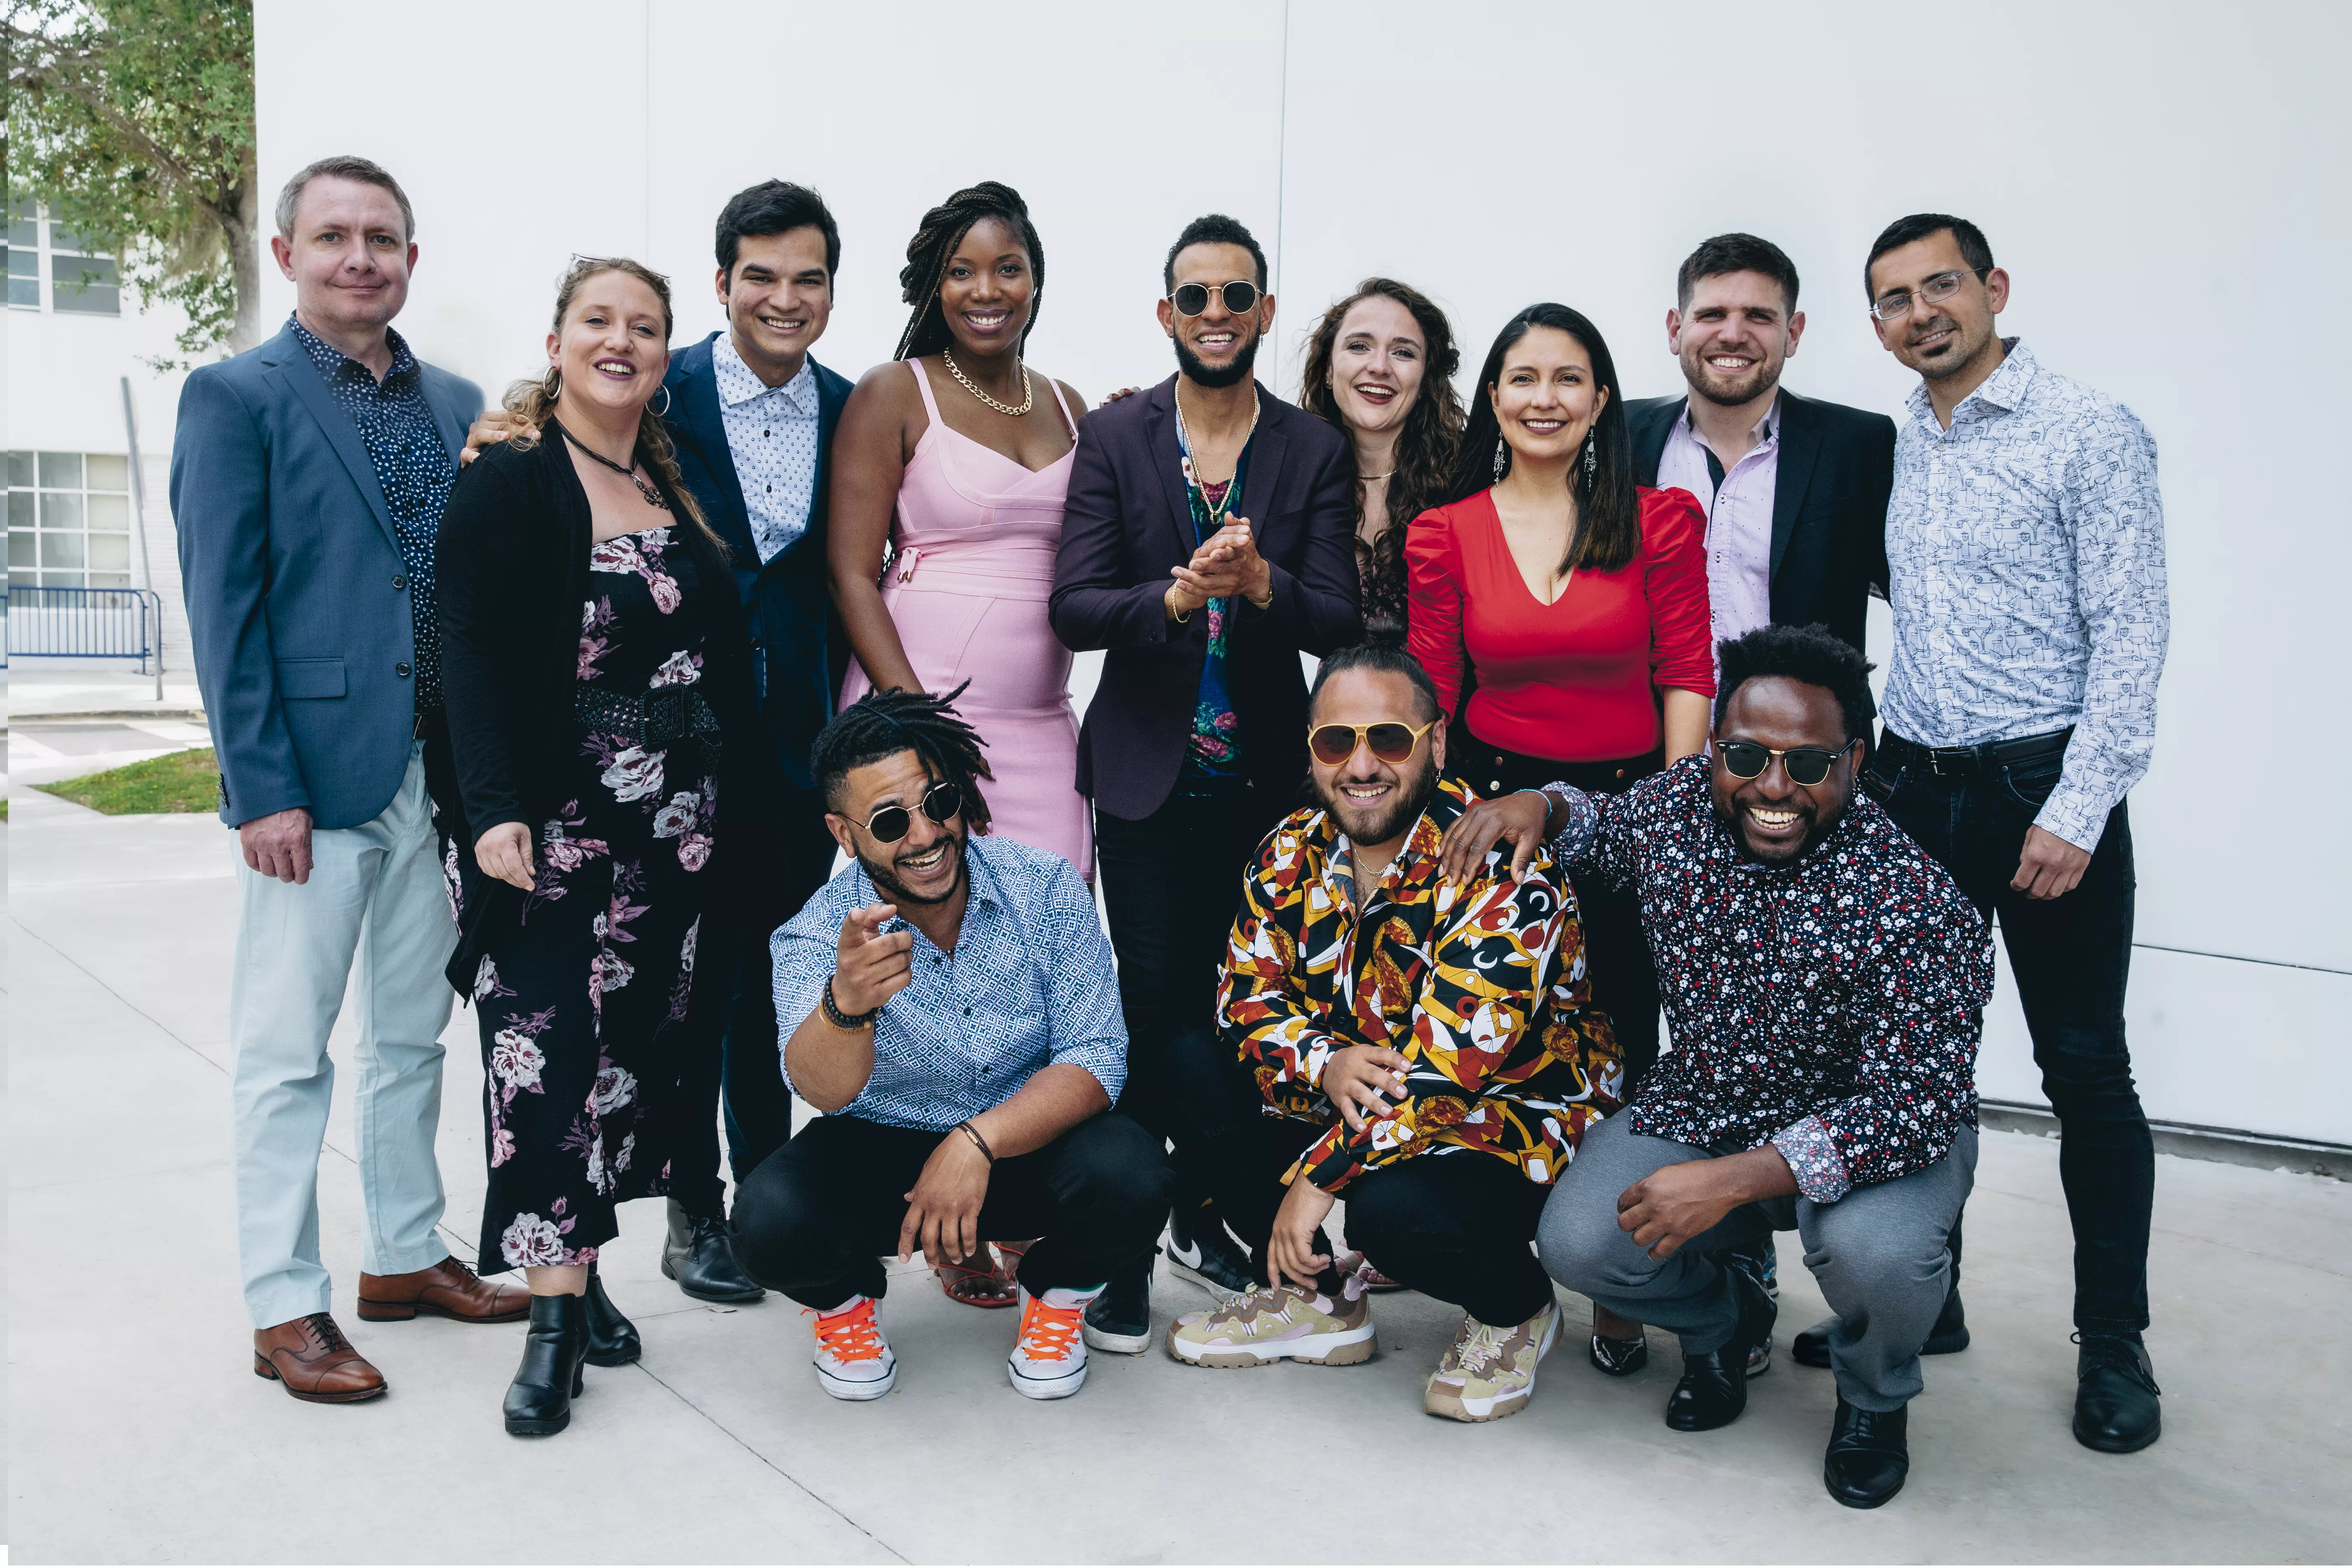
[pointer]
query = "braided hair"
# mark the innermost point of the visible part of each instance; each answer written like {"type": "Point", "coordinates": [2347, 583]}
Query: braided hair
{"type": "Point", "coordinates": [882, 724]}
{"type": "Point", "coordinates": [944, 227]}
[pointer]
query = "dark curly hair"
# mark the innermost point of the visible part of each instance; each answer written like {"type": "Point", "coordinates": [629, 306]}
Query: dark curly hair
{"type": "Point", "coordinates": [1813, 654]}
{"type": "Point", "coordinates": [1426, 447]}
{"type": "Point", "coordinates": [943, 229]}
{"type": "Point", "coordinates": [884, 723]}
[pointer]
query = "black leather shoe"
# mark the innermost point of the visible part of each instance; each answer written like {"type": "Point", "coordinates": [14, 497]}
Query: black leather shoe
{"type": "Point", "coordinates": [1199, 1251]}
{"type": "Point", "coordinates": [1119, 1319]}
{"type": "Point", "coordinates": [1619, 1358]}
{"type": "Point", "coordinates": [1948, 1337]}
{"type": "Point", "coordinates": [698, 1257]}
{"type": "Point", "coordinates": [1868, 1457]}
{"type": "Point", "coordinates": [538, 1402]}
{"type": "Point", "coordinates": [2116, 1406]}
{"type": "Point", "coordinates": [1714, 1386]}
{"type": "Point", "coordinates": [612, 1339]}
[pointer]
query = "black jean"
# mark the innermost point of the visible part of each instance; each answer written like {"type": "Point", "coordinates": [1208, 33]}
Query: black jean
{"type": "Point", "coordinates": [2071, 957]}
{"type": "Point", "coordinates": [1458, 1226]}
{"type": "Point", "coordinates": [814, 1220]}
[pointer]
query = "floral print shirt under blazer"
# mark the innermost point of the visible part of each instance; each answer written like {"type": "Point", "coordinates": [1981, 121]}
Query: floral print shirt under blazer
{"type": "Point", "coordinates": [1481, 988]}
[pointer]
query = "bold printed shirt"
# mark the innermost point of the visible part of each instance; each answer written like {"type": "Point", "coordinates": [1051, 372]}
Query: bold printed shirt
{"type": "Point", "coordinates": [1738, 506]}
{"type": "Point", "coordinates": [772, 434]}
{"type": "Point", "coordinates": [1213, 757]}
{"type": "Point", "coordinates": [412, 468]}
{"type": "Point", "coordinates": [1029, 983]}
{"type": "Point", "coordinates": [2026, 546]}
{"type": "Point", "coordinates": [1830, 1007]}
{"type": "Point", "coordinates": [1481, 988]}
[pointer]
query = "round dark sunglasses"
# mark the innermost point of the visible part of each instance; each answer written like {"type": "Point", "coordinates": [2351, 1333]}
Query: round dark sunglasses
{"type": "Point", "coordinates": [1807, 765]}
{"type": "Point", "coordinates": [1391, 742]}
{"type": "Point", "coordinates": [1192, 299]}
{"type": "Point", "coordinates": [941, 802]}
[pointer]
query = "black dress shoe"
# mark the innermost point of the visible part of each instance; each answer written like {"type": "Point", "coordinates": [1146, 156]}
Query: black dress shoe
{"type": "Point", "coordinates": [1868, 1457]}
{"type": "Point", "coordinates": [2116, 1406]}
{"type": "Point", "coordinates": [1619, 1358]}
{"type": "Point", "coordinates": [612, 1339]}
{"type": "Point", "coordinates": [699, 1256]}
{"type": "Point", "coordinates": [539, 1401]}
{"type": "Point", "coordinates": [1948, 1337]}
{"type": "Point", "coordinates": [1714, 1386]}
{"type": "Point", "coordinates": [1199, 1251]}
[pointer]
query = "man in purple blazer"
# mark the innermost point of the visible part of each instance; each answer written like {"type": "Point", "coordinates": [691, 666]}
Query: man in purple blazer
{"type": "Point", "coordinates": [1209, 541]}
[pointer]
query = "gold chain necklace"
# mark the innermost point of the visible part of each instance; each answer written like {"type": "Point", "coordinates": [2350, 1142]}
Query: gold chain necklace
{"type": "Point", "coordinates": [1028, 393]}
{"type": "Point", "coordinates": [1218, 514]}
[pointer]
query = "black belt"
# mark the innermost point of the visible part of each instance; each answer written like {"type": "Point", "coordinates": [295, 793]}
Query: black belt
{"type": "Point", "coordinates": [1946, 762]}
{"type": "Point", "coordinates": [661, 717]}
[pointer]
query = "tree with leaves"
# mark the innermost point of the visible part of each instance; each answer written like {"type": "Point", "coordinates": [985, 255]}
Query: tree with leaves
{"type": "Point", "coordinates": [134, 119]}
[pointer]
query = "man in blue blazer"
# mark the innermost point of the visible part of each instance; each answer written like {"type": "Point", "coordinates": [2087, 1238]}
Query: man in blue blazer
{"type": "Point", "coordinates": [308, 477]}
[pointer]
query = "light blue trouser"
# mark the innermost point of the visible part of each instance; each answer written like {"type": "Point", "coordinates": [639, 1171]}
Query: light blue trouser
{"type": "Point", "coordinates": [374, 897]}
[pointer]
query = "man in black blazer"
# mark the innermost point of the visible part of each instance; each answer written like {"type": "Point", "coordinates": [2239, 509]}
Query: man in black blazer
{"type": "Point", "coordinates": [1208, 541]}
{"type": "Point", "coordinates": [1795, 489]}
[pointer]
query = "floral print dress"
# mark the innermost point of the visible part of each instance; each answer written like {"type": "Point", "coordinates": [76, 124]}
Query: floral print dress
{"type": "Point", "coordinates": [583, 1005]}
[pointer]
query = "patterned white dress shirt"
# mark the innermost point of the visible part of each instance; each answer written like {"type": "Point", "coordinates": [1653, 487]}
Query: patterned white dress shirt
{"type": "Point", "coordinates": [1738, 519]}
{"type": "Point", "coordinates": [2026, 544]}
{"type": "Point", "coordinates": [772, 433]}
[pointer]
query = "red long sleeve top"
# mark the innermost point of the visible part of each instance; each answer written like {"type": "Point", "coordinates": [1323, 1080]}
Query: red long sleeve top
{"type": "Point", "coordinates": [1571, 680]}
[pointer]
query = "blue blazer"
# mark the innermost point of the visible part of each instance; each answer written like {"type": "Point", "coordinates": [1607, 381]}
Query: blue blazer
{"type": "Point", "coordinates": [297, 596]}
{"type": "Point", "coordinates": [787, 601]}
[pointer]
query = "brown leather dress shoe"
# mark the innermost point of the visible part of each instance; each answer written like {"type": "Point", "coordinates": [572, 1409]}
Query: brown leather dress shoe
{"type": "Point", "coordinates": [448, 1288]}
{"type": "Point", "coordinates": [313, 1359]}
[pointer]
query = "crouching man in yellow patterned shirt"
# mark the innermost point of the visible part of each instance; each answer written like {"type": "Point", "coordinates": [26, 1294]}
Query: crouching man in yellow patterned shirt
{"type": "Point", "coordinates": [1424, 1051]}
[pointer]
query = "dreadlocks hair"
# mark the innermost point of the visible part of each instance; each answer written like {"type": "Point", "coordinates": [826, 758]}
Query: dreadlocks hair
{"type": "Point", "coordinates": [943, 230]}
{"type": "Point", "coordinates": [884, 723]}
{"type": "Point", "coordinates": [1812, 655]}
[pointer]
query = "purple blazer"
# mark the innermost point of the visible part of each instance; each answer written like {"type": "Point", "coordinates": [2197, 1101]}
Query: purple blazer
{"type": "Point", "coordinates": [1129, 524]}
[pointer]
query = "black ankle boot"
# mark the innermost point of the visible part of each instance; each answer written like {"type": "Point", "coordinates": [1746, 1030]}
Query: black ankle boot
{"type": "Point", "coordinates": [612, 1339]}
{"type": "Point", "coordinates": [1714, 1387]}
{"type": "Point", "coordinates": [538, 1402]}
{"type": "Point", "coordinates": [1869, 1455]}
{"type": "Point", "coordinates": [699, 1255]}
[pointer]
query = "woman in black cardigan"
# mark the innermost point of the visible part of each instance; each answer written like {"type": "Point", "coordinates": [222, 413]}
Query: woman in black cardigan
{"type": "Point", "coordinates": [606, 741]}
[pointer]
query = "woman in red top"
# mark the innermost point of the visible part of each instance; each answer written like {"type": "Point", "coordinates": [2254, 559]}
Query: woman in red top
{"type": "Point", "coordinates": [1571, 603]}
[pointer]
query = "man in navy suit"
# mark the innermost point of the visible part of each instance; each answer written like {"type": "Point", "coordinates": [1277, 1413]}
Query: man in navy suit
{"type": "Point", "coordinates": [308, 479]}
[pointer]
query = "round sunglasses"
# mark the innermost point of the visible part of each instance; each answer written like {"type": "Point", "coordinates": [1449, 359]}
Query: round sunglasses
{"type": "Point", "coordinates": [941, 802]}
{"type": "Point", "coordinates": [1807, 765]}
{"type": "Point", "coordinates": [1192, 299]}
{"type": "Point", "coordinates": [1390, 742]}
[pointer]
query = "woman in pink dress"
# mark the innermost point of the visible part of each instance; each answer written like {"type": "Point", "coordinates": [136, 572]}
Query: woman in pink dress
{"type": "Point", "coordinates": [959, 460]}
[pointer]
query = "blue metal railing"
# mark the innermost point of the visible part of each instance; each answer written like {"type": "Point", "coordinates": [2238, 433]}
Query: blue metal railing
{"type": "Point", "coordinates": [84, 623]}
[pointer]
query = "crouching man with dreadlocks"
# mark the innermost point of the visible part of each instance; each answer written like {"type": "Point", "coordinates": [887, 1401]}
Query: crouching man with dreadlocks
{"type": "Point", "coordinates": [953, 1011]}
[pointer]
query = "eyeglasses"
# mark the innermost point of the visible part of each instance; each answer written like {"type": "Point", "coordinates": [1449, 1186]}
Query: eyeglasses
{"type": "Point", "coordinates": [941, 802]}
{"type": "Point", "coordinates": [1895, 304]}
{"type": "Point", "coordinates": [1192, 299]}
{"type": "Point", "coordinates": [1807, 765]}
{"type": "Point", "coordinates": [1390, 742]}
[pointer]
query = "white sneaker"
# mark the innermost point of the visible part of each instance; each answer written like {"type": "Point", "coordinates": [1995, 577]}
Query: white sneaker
{"type": "Point", "coordinates": [853, 1360]}
{"type": "Point", "coordinates": [1049, 1354]}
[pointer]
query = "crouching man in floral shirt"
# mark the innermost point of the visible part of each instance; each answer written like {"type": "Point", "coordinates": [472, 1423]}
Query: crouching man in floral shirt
{"type": "Point", "coordinates": [1425, 1050]}
{"type": "Point", "coordinates": [1825, 980]}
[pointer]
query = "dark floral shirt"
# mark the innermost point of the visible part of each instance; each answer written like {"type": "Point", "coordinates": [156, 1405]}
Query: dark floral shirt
{"type": "Point", "coordinates": [1830, 1007]}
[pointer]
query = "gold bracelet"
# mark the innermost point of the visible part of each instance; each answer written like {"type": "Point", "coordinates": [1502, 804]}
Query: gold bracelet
{"type": "Point", "coordinates": [1168, 598]}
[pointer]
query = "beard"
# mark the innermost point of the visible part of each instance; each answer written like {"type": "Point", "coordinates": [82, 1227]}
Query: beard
{"type": "Point", "coordinates": [1730, 392]}
{"type": "Point", "coordinates": [886, 878]}
{"type": "Point", "coordinates": [1201, 374]}
{"type": "Point", "coordinates": [1380, 824]}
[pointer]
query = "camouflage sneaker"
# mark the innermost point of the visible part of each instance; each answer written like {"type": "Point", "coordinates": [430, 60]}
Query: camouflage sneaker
{"type": "Point", "coordinates": [1262, 1326]}
{"type": "Point", "coordinates": [1489, 1372]}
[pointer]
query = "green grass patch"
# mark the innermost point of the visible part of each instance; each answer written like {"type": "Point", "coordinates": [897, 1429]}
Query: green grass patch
{"type": "Point", "coordinates": [185, 781]}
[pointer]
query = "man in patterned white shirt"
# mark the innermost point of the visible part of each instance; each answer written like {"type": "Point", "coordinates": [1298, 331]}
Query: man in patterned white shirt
{"type": "Point", "coordinates": [2025, 540]}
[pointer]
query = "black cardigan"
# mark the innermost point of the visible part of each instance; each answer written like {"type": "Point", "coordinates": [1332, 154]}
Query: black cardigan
{"type": "Point", "coordinates": [511, 570]}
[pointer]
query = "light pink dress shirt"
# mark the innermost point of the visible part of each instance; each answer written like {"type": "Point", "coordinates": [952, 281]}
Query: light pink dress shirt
{"type": "Point", "coordinates": [1738, 520]}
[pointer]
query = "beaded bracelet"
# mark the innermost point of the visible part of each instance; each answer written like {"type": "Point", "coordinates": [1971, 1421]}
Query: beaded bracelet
{"type": "Point", "coordinates": [851, 1022]}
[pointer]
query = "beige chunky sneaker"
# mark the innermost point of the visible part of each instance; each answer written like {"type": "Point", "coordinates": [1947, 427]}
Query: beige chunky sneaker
{"type": "Point", "coordinates": [1264, 1325]}
{"type": "Point", "coordinates": [1489, 1372]}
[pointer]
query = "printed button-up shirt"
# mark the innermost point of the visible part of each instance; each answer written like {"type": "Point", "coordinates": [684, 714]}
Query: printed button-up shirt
{"type": "Point", "coordinates": [772, 434]}
{"type": "Point", "coordinates": [412, 468]}
{"type": "Point", "coordinates": [1738, 519]}
{"type": "Point", "coordinates": [1830, 1007]}
{"type": "Point", "coordinates": [1029, 984]}
{"type": "Point", "coordinates": [2026, 544]}
{"type": "Point", "coordinates": [1482, 989]}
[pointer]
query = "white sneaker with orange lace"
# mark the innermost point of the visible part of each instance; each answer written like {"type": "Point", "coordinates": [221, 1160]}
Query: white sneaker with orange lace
{"type": "Point", "coordinates": [1049, 1354]}
{"type": "Point", "coordinates": [853, 1360]}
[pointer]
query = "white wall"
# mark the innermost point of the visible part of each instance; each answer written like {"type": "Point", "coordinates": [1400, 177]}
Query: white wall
{"type": "Point", "coordinates": [2152, 175]}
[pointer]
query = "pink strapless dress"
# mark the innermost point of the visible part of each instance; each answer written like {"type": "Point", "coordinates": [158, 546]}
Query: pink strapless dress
{"type": "Point", "coordinates": [975, 534]}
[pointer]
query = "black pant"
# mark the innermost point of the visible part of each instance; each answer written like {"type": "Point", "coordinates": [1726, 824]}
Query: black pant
{"type": "Point", "coordinates": [1458, 1226]}
{"type": "Point", "coordinates": [1616, 949]}
{"type": "Point", "coordinates": [816, 1218]}
{"type": "Point", "coordinates": [748, 1060]}
{"type": "Point", "coordinates": [2071, 957]}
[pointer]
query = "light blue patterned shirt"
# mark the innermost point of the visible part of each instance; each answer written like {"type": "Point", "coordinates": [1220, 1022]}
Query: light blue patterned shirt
{"type": "Point", "coordinates": [2026, 547]}
{"type": "Point", "coordinates": [1029, 983]}
{"type": "Point", "coordinates": [772, 435]}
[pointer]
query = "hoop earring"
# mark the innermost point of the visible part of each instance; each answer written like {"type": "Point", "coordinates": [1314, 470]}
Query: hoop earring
{"type": "Point", "coordinates": [664, 409]}
{"type": "Point", "coordinates": [1502, 459]}
{"type": "Point", "coordinates": [1591, 453]}
{"type": "Point", "coordinates": [553, 384]}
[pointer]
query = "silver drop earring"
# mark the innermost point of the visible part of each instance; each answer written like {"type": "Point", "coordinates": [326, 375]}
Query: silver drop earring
{"type": "Point", "coordinates": [1591, 453]}
{"type": "Point", "coordinates": [1502, 458]}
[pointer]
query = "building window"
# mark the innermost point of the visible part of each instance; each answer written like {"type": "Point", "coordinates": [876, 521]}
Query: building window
{"type": "Point", "coordinates": [69, 520]}
{"type": "Point", "coordinates": [51, 268]}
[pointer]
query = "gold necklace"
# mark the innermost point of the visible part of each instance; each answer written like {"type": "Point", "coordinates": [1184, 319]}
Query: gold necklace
{"type": "Point", "coordinates": [1028, 393]}
{"type": "Point", "coordinates": [1218, 514]}
{"type": "Point", "coordinates": [1375, 479]}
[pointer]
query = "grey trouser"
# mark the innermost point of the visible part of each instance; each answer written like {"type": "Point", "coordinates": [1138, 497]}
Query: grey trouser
{"type": "Point", "coordinates": [1881, 1255]}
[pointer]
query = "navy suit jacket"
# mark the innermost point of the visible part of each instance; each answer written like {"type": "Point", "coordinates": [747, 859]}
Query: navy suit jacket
{"type": "Point", "coordinates": [787, 601]}
{"type": "Point", "coordinates": [1829, 506]}
{"type": "Point", "coordinates": [297, 596]}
